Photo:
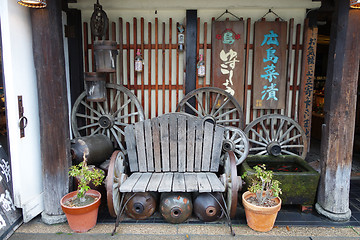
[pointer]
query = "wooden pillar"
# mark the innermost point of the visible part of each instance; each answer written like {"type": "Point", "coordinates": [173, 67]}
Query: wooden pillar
{"type": "Point", "coordinates": [49, 62]}
{"type": "Point", "coordinates": [191, 51]}
{"type": "Point", "coordinates": [340, 106]}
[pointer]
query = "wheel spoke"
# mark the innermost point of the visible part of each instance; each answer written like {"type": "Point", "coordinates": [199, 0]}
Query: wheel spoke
{"type": "Point", "coordinates": [292, 146]}
{"type": "Point", "coordinates": [121, 124]}
{"type": "Point", "coordinates": [290, 153]}
{"type": "Point", "coordinates": [256, 142]}
{"type": "Point", "coordinates": [228, 120]}
{"type": "Point", "coordinates": [226, 113]}
{"type": "Point", "coordinates": [279, 129]}
{"type": "Point", "coordinates": [88, 126]}
{"type": "Point", "coordinates": [238, 140]}
{"type": "Point", "coordinates": [119, 130]}
{"type": "Point", "coordinates": [86, 116]}
{"type": "Point", "coordinates": [261, 137]}
{"type": "Point", "coordinates": [272, 127]}
{"type": "Point", "coordinates": [201, 106]}
{"type": "Point", "coordinates": [238, 152]}
{"type": "Point", "coordinates": [221, 107]}
{"type": "Point", "coordinates": [239, 146]}
{"type": "Point", "coordinates": [100, 108]}
{"type": "Point", "coordinates": [265, 131]}
{"type": "Point", "coordinates": [260, 153]}
{"type": "Point", "coordinates": [90, 108]}
{"type": "Point", "coordinates": [213, 107]}
{"type": "Point", "coordinates": [287, 132]}
{"type": "Point", "coordinates": [258, 149]}
{"type": "Point", "coordinates": [117, 139]}
{"type": "Point", "coordinates": [194, 109]}
{"type": "Point", "coordinates": [98, 129]}
{"type": "Point", "coordinates": [291, 139]}
{"type": "Point", "coordinates": [233, 137]}
{"type": "Point", "coordinates": [122, 107]}
{"type": "Point", "coordinates": [108, 133]}
{"type": "Point", "coordinates": [113, 106]}
{"type": "Point", "coordinates": [128, 115]}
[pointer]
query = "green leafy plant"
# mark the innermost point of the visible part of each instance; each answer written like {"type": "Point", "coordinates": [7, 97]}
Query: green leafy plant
{"type": "Point", "coordinates": [263, 185]}
{"type": "Point", "coordinates": [86, 175]}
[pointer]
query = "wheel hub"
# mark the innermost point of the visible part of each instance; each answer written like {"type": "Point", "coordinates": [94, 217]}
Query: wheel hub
{"type": "Point", "coordinates": [228, 145]}
{"type": "Point", "coordinates": [106, 121]}
{"type": "Point", "coordinates": [274, 149]}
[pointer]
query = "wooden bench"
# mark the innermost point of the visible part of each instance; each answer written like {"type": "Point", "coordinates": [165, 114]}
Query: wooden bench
{"type": "Point", "coordinates": [175, 152]}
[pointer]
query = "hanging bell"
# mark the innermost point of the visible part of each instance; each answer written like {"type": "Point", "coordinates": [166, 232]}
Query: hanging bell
{"type": "Point", "coordinates": [141, 206]}
{"type": "Point", "coordinates": [176, 207]}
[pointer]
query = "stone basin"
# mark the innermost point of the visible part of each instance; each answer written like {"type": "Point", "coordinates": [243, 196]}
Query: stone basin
{"type": "Point", "coordinates": [298, 179]}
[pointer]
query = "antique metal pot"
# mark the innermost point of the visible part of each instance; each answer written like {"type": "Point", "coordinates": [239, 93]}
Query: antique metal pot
{"type": "Point", "coordinates": [176, 207]}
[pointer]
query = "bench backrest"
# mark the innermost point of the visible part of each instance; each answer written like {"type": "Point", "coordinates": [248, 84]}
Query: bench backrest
{"type": "Point", "coordinates": [174, 142]}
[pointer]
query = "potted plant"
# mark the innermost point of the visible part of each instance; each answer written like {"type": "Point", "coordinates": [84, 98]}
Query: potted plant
{"type": "Point", "coordinates": [261, 202]}
{"type": "Point", "coordinates": [81, 206]}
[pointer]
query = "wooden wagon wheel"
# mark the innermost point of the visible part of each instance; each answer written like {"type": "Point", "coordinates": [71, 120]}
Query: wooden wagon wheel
{"type": "Point", "coordinates": [115, 177]}
{"type": "Point", "coordinates": [214, 105]}
{"type": "Point", "coordinates": [276, 134]}
{"type": "Point", "coordinates": [231, 183]}
{"type": "Point", "coordinates": [110, 117]}
{"type": "Point", "coordinates": [235, 140]}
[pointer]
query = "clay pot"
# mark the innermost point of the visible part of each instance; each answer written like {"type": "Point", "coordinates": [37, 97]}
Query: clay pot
{"type": "Point", "coordinates": [81, 219]}
{"type": "Point", "coordinates": [258, 218]}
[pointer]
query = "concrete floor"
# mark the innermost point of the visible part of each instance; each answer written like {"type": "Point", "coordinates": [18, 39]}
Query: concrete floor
{"type": "Point", "coordinates": [38, 231]}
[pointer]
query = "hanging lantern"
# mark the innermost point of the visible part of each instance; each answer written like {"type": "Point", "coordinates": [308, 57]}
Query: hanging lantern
{"type": "Point", "coordinates": [181, 38]}
{"type": "Point", "coordinates": [99, 21]}
{"type": "Point", "coordinates": [139, 62]}
{"type": "Point", "coordinates": [33, 3]}
{"type": "Point", "coordinates": [95, 86]}
{"type": "Point", "coordinates": [201, 67]}
{"type": "Point", "coordinates": [105, 53]}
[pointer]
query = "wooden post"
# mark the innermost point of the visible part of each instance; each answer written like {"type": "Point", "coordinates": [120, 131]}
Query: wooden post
{"type": "Point", "coordinates": [190, 48]}
{"type": "Point", "coordinates": [340, 99]}
{"type": "Point", "coordinates": [49, 62]}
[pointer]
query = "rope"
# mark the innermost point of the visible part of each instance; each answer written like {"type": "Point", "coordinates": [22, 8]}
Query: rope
{"type": "Point", "coordinates": [271, 11]}
{"type": "Point", "coordinates": [227, 12]}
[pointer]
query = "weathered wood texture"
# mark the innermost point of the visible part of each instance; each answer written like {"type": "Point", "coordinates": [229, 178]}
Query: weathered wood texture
{"type": "Point", "coordinates": [49, 62]}
{"type": "Point", "coordinates": [151, 88]}
{"type": "Point", "coordinates": [340, 98]}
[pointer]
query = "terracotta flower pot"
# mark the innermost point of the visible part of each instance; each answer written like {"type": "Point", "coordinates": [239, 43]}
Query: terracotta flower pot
{"type": "Point", "coordinates": [81, 219]}
{"type": "Point", "coordinates": [258, 218]}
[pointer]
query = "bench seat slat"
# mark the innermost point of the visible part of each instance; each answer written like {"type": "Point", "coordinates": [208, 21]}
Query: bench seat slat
{"type": "Point", "coordinates": [178, 183]}
{"type": "Point", "coordinates": [215, 182]}
{"type": "Point", "coordinates": [203, 183]}
{"type": "Point", "coordinates": [142, 183]}
{"type": "Point", "coordinates": [191, 182]}
{"type": "Point", "coordinates": [154, 182]}
{"type": "Point", "coordinates": [128, 185]}
{"type": "Point", "coordinates": [166, 182]}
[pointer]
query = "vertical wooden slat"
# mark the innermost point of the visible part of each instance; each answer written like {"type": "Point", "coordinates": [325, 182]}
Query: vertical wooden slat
{"type": "Point", "coordinates": [149, 69]}
{"type": "Point", "coordinates": [288, 74]}
{"type": "Point", "coordinates": [182, 143]}
{"type": "Point", "coordinates": [173, 130]}
{"type": "Point", "coordinates": [156, 143]}
{"type": "Point", "coordinates": [217, 147]}
{"type": "Point", "coordinates": [295, 76]}
{"type": "Point", "coordinates": [128, 53]}
{"type": "Point", "coordinates": [121, 52]}
{"type": "Point", "coordinates": [140, 146]}
{"type": "Point", "coordinates": [198, 145]}
{"type": "Point", "coordinates": [148, 145]}
{"type": "Point", "coordinates": [142, 73]}
{"type": "Point", "coordinates": [190, 145]}
{"type": "Point", "coordinates": [135, 50]}
{"type": "Point", "coordinates": [197, 49]}
{"type": "Point", "coordinates": [156, 68]}
{"type": "Point", "coordinates": [113, 38]}
{"type": "Point", "coordinates": [86, 47]}
{"type": "Point", "coordinates": [207, 146]}
{"type": "Point", "coordinates": [246, 69]}
{"type": "Point", "coordinates": [205, 49]}
{"type": "Point", "coordinates": [163, 68]}
{"type": "Point", "coordinates": [170, 64]}
{"type": "Point", "coordinates": [164, 139]}
{"type": "Point", "coordinates": [131, 148]}
{"type": "Point", "coordinates": [177, 65]}
{"type": "Point", "coordinates": [211, 80]}
{"type": "Point", "coordinates": [92, 52]}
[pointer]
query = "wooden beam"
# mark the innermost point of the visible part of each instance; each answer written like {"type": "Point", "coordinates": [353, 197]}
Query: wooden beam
{"type": "Point", "coordinates": [191, 50]}
{"type": "Point", "coordinates": [340, 105]}
{"type": "Point", "coordinates": [49, 62]}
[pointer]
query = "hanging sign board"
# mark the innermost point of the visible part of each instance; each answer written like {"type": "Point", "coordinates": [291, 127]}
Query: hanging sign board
{"type": "Point", "coordinates": [269, 91]}
{"type": "Point", "coordinates": [227, 52]}
{"type": "Point", "coordinates": [10, 216]}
